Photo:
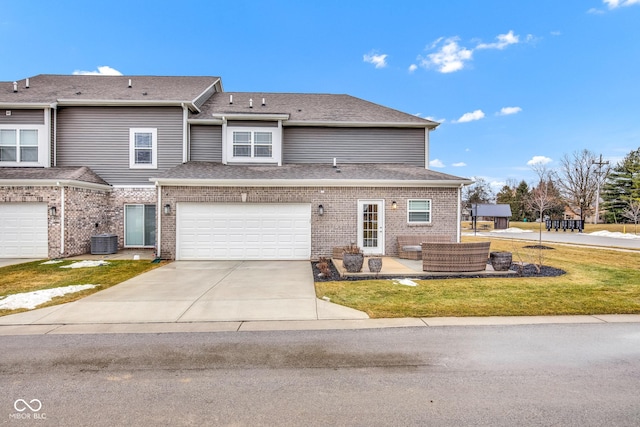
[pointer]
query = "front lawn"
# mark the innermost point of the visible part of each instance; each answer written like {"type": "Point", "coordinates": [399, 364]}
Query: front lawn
{"type": "Point", "coordinates": [34, 276]}
{"type": "Point", "coordinates": [598, 281]}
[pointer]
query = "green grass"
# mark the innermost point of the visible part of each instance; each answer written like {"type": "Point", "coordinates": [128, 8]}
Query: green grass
{"type": "Point", "coordinates": [33, 276]}
{"type": "Point", "coordinates": [597, 282]}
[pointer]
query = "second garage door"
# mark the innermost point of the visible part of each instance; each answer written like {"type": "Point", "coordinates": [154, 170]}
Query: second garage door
{"type": "Point", "coordinates": [23, 230]}
{"type": "Point", "coordinates": [210, 231]}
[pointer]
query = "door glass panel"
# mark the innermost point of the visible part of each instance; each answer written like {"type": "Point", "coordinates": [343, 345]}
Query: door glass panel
{"type": "Point", "coordinates": [134, 225]}
{"type": "Point", "coordinates": [370, 226]}
{"type": "Point", "coordinates": [150, 225]}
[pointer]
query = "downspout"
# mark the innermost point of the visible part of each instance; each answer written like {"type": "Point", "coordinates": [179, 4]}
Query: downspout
{"type": "Point", "coordinates": [55, 134]}
{"type": "Point", "coordinates": [224, 140]}
{"type": "Point", "coordinates": [459, 214]}
{"type": "Point", "coordinates": [426, 148]}
{"type": "Point", "coordinates": [62, 220]}
{"type": "Point", "coordinates": [185, 134]}
{"type": "Point", "coordinates": [159, 221]}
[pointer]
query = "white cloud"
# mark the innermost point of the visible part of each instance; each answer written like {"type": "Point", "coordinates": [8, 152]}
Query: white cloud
{"type": "Point", "coordinates": [470, 117]}
{"type": "Point", "coordinates": [595, 11]}
{"type": "Point", "coordinates": [412, 68]}
{"type": "Point", "coordinates": [459, 164]}
{"type": "Point", "coordinates": [433, 119]}
{"type": "Point", "coordinates": [450, 56]}
{"type": "Point", "coordinates": [556, 33]}
{"type": "Point", "coordinates": [614, 4]}
{"type": "Point", "coordinates": [506, 111]}
{"type": "Point", "coordinates": [539, 160]}
{"type": "Point", "coordinates": [380, 61]}
{"type": "Point", "coordinates": [504, 40]}
{"type": "Point", "coordinates": [103, 70]}
{"type": "Point", "coordinates": [436, 163]}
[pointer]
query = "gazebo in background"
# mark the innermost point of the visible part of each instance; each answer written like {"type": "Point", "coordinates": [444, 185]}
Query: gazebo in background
{"type": "Point", "coordinates": [500, 213]}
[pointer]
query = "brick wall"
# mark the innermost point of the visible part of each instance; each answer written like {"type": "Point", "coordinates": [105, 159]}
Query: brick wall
{"type": "Point", "coordinates": [125, 196]}
{"type": "Point", "coordinates": [338, 225]}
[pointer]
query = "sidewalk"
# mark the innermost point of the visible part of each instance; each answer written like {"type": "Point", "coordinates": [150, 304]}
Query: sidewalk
{"type": "Point", "coordinates": [307, 325]}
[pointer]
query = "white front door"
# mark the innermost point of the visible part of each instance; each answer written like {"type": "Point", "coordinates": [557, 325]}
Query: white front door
{"type": "Point", "coordinates": [371, 226]}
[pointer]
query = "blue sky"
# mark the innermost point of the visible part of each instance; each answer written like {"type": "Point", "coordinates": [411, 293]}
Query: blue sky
{"type": "Point", "coordinates": [511, 81]}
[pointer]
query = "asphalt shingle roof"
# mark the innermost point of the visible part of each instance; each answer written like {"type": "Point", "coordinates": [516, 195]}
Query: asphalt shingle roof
{"type": "Point", "coordinates": [81, 174]}
{"type": "Point", "coordinates": [346, 172]}
{"type": "Point", "coordinates": [47, 88]}
{"type": "Point", "coordinates": [307, 107]}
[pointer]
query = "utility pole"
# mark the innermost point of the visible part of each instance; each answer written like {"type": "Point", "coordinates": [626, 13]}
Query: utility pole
{"type": "Point", "coordinates": [599, 163]}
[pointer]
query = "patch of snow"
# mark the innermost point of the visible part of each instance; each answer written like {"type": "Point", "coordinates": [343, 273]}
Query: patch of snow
{"type": "Point", "coordinates": [614, 234]}
{"type": "Point", "coordinates": [405, 282]}
{"type": "Point", "coordinates": [52, 261]}
{"type": "Point", "coordinates": [83, 264]}
{"type": "Point", "coordinates": [31, 300]}
{"type": "Point", "coordinates": [512, 230]}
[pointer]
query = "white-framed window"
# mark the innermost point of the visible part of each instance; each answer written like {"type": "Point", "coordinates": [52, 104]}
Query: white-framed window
{"type": "Point", "coordinates": [22, 145]}
{"type": "Point", "coordinates": [419, 211]}
{"type": "Point", "coordinates": [143, 148]}
{"type": "Point", "coordinates": [253, 144]}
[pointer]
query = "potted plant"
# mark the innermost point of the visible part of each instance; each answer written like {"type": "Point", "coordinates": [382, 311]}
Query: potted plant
{"type": "Point", "coordinates": [352, 258]}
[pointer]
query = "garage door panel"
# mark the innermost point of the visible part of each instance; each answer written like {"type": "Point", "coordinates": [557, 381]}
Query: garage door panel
{"type": "Point", "coordinates": [23, 230]}
{"type": "Point", "coordinates": [244, 231]}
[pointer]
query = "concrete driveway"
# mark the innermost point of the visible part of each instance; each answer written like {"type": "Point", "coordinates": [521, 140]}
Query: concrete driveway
{"type": "Point", "coordinates": [200, 291]}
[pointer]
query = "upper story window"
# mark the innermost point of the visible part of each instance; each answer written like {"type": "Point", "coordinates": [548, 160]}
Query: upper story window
{"type": "Point", "coordinates": [22, 145]}
{"type": "Point", "coordinates": [253, 144]}
{"type": "Point", "coordinates": [419, 211]}
{"type": "Point", "coordinates": [143, 148]}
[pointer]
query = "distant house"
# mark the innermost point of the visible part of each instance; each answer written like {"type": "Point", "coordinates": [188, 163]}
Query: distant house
{"type": "Point", "coordinates": [178, 165]}
{"type": "Point", "coordinates": [499, 213]}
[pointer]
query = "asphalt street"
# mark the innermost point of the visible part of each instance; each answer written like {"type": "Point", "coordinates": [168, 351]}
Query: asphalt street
{"type": "Point", "coordinates": [567, 237]}
{"type": "Point", "coordinates": [569, 375]}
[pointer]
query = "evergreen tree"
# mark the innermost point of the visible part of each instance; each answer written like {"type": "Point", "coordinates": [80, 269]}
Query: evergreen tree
{"type": "Point", "coordinates": [622, 186]}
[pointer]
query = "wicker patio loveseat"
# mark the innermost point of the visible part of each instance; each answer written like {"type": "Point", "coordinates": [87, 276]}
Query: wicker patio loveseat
{"type": "Point", "coordinates": [409, 247]}
{"type": "Point", "coordinates": [455, 257]}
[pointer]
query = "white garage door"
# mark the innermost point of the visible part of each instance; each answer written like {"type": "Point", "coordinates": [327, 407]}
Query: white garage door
{"type": "Point", "coordinates": [243, 231]}
{"type": "Point", "coordinates": [23, 230]}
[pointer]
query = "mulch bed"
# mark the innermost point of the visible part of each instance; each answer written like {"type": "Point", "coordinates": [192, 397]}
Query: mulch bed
{"type": "Point", "coordinates": [528, 270]}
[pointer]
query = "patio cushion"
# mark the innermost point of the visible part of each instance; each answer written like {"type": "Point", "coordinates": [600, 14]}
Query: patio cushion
{"type": "Point", "coordinates": [412, 248]}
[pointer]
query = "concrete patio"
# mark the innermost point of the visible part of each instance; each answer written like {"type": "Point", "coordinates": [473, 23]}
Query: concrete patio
{"type": "Point", "coordinates": [398, 267]}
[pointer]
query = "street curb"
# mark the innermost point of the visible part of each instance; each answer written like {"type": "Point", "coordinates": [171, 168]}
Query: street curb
{"type": "Point", "coordinates": [307, 325]}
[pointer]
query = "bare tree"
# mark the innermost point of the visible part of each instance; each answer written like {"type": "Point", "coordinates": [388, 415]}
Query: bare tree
{"type": "Point", "coordinates": [632, 212]}
{"type": "Point", "coordinates": [578, 179]}
{"type": "Point", "coordinates": [542, 198]}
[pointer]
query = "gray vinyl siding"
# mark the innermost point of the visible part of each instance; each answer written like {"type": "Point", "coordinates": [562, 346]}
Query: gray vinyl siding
{"type": "Point", "coordinates": [22, 117]}
{"type": "Point", "coordinates": [353, 145]}
{"type": "Point", "coordinates": [206, 143]}
{"type": "Point", "coordinates": [98, 137]}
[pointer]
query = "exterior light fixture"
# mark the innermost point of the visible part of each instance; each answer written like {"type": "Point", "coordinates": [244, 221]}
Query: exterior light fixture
{"type": "Point", "coordinates": [394, 205]}
{"type": "Point", "coordinates": [53, 211]}
{"type": "Point", "coordinates": [167, 209]}
{"type": "Point", "coordinates": [320, 210]}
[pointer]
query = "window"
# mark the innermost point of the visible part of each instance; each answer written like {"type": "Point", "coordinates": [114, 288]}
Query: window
{"type": "Point", "coordinates": [140, 225]}
{"type": "Point", "coordinates": [261, 143]}
{"type": "Point", "coordinates": [143, 148]}
{"type": "Point", "coordinates": [419, 211]}
{"type": "Point", "coordinates": [252, 144]}
{"type": "Point", "coordinates": [19, 145]}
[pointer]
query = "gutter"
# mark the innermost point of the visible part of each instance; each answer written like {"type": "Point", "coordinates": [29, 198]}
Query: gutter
{"type": "Point", "coordinates": [54, 183]}
{"type": "Point", "coordinates": [181, 182]}
{"type": "Point", "coordinates": [256, 116]}
{"type": "Point", "coordinates": [126, 103]}
{"type": "Point", "coordinates": [319, 123]}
